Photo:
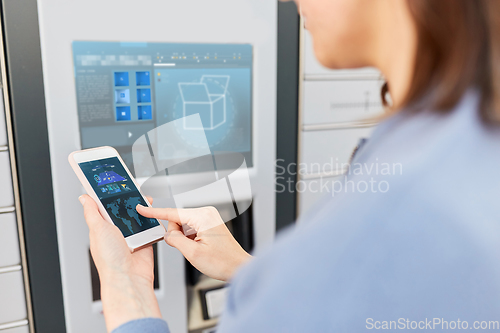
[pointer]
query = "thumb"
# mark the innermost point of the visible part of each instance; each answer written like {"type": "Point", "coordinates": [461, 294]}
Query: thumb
{"type": "Point", "coordinates": [91, 211]}
{"type": "Point", "coordinates": [175, 237]}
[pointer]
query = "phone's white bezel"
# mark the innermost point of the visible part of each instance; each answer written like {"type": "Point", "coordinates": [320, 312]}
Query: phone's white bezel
{"type": "Point", "coordinates": [135, 241]}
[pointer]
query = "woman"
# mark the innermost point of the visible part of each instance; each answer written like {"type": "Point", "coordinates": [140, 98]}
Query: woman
{"type": "Point", "coordinates": [424, 253]}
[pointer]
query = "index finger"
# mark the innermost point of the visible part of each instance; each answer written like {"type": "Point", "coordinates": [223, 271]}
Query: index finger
{"type": "Point", "coordinates": [169, 214]}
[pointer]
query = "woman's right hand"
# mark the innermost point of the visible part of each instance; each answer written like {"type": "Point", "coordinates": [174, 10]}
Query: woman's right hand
{"type": "Point", "coordinates": [213, 251]}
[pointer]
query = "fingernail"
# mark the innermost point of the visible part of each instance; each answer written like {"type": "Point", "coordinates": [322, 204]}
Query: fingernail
{"type": "Point", "coordinates": [81, 199]}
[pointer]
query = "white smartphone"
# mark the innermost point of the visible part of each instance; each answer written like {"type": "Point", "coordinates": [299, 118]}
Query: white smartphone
{"type": "Point", "coordinates": [108, 181]}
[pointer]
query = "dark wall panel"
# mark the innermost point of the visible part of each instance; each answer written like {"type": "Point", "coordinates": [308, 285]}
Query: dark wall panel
{"type": "Point", "coordinates": [288, 83]}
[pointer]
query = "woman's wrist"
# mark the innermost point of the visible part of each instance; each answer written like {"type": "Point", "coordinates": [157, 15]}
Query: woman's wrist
{"type": "Point", "coordinates": [125, 298]}
{"type": "Point", "coordinates": [233, 265]}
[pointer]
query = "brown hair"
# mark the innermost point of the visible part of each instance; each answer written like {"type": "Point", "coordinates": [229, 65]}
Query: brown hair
{"type": "Point", "coordinates": [458, 48]}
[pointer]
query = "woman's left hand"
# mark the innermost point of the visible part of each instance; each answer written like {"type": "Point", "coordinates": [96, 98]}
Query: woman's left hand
{"type": "Point", "coordinates": [126, 278]}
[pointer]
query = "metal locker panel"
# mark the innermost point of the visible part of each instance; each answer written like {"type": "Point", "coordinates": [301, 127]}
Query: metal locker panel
{"type": "Point", "coordinates": [3, 126]}
{"type": "Point", "coordinates": [6, 193]}
{"type": "Point", "coordinates": [341, 101]}
{"type": "Point", "coordinates": [314, 68]}
{"type": "Point", "coordinates": [9, 241]}
{"type": "Point", "coordinates": [13, 301]}
{"type": "Point", "coordinates": [313, 190]}
{"type": "Point", "coordinates": [324, 151]}
{"type": "Point", "coordinates": [20, 329]}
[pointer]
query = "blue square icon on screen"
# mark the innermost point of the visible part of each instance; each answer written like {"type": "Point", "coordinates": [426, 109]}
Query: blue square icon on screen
{"type": "Point", "coordinates": [142, 78]}
{"type": "Point", "coordinates": [145, 112]}
{"type": "Point", "coordinates": [121, 79]}
{"type": "Point", "coordinates": [122, 113]}
{"type": "Point", "coordinates": [143, 96]}
{"type": "Point", "coordinates": [122, 96]}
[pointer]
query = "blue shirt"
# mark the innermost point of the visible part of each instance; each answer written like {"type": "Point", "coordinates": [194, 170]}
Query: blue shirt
{"type": "Point", "coordinates": [420, 250]}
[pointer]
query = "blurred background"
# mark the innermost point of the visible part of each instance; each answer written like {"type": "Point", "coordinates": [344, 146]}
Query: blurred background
{"type": "Point", "coordinates": [82, 74]}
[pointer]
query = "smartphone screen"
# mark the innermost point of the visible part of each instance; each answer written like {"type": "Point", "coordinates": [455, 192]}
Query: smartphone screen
{"type": "Point", "coordinates": [118, 194]}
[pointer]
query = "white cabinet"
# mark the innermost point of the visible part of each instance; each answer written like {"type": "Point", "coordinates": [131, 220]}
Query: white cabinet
{"type": "Point", "coordinates": [324, 151]}
{"type": "Point", "coordinates": [6, 194]}
{"type": "Point", "coordinates": [20, 329]}
{"type": "Point", "coordinates": [311, 191]}
{"type": "Point", "coordinates": [341, 101]}
{"type": "Point", "coordinates": [12, 300]}
{"type": "Point", "coordinates": [338, 108]}
{"type": "Point", "coordinates": [3, 127]}
{"type": "Point", "coordinates": [9, 241]}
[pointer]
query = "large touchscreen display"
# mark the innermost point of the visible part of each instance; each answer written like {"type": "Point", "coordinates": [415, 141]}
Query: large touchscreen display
{"type": "Point", "coordinates": [118, 194]}
{"type": "Point", "coordinates": [125, 90]}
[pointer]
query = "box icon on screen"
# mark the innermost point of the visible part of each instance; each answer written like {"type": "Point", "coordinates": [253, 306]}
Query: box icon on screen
{"type": "Point", "coordinates": [144, 112]}
{"type": "Point", "coordinates": [143, 96]}
{"type": "Point", "coordinates": [207, 98]}
{"type": "Point", "coordinates": [121, 79]}
{"type": "Point", "coordinates": [122, 96]}
{"type": "Point", "coordinates": [142, 79]}
{"type": "Point", "coordinates": [122, 113]}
